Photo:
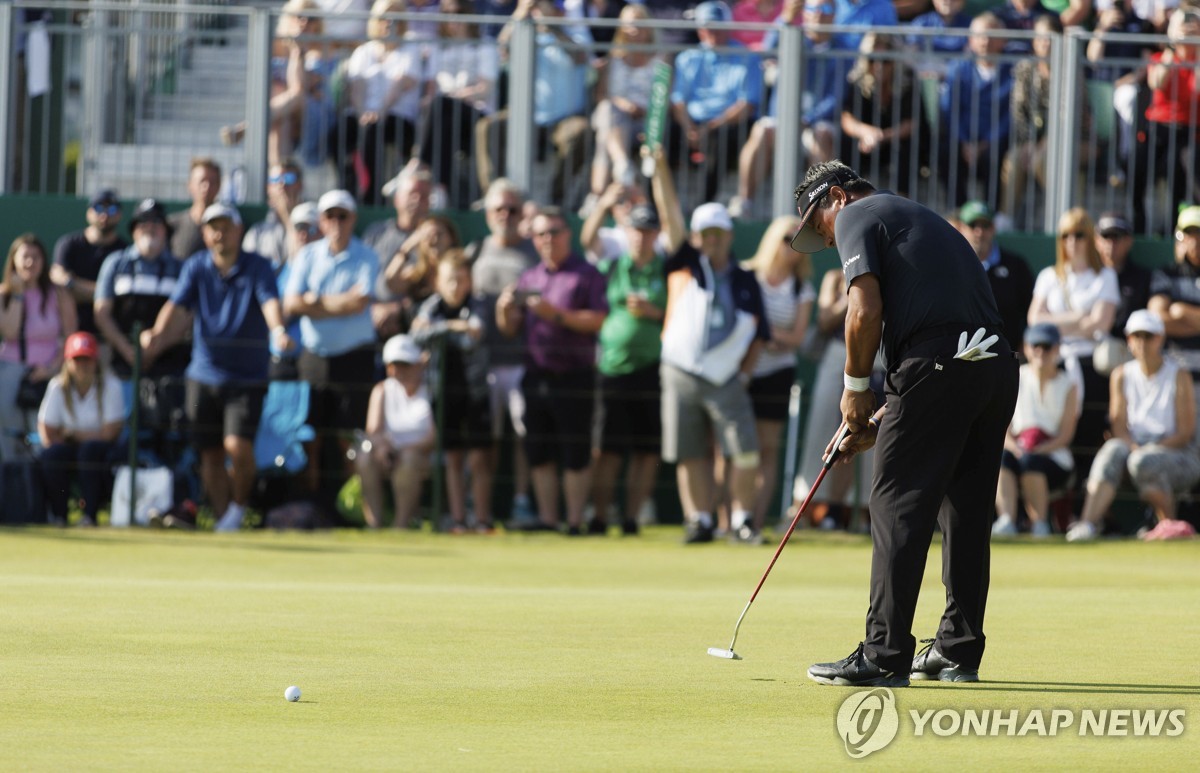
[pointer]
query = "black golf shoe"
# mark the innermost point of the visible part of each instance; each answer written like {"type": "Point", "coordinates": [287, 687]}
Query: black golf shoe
{"type": "Point", "coordinates": [855, 670]}
{"type": "Point", "coordinates": [696, 534]}
{"type": "Point", "coordinates": [929, 664]}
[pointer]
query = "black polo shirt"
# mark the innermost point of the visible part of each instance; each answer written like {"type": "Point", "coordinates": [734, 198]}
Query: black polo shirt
{"type": "Point", "coordinates": [1134, 282]}
{"type": "Point", "coordinates": [929, 276]}
{"type": "Point", "coordinates": [1012, 287]}
{"type": "Point", "coordinates": [1181, 283]}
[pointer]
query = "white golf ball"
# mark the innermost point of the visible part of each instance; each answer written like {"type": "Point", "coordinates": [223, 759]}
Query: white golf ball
{"type": "Point", "coordinates": [292, 693]}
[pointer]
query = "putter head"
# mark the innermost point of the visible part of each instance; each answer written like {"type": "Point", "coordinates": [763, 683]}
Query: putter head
{"type": "Point", "coordinates": [717, 652]}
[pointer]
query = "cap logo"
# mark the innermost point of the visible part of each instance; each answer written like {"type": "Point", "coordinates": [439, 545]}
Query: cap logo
{"type": "Point", "coordinates": [816, 192]}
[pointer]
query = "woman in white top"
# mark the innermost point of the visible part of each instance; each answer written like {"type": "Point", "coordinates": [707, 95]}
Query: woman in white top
{"type": "Point", "coordinates": [399, 435]}
{"type": "Point", "coordinates": [463, 72]}
{"type": "Point", "coordinates": [1079, 296]}
{"type": "Point", "coordinates": [788, 296]}
{"type": "Point", "coordinates": [1153, 425]}
{"type": "Point", "coordinates": [625, 85]}
{"type": "Point", "coordinates": [78, 424]}
{"type": "Point", "coordinates": [383, 77]}
{"type": "Point", "coordinates": [1037, 454]}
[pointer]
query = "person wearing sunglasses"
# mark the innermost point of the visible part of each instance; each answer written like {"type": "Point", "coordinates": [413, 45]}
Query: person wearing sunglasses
{"type": "Point", "coordinates": [79, 255]}
{"type": "Point", "coordinates": [1114, 242]}
{"type": "Point", "coordinates": [272, 237]}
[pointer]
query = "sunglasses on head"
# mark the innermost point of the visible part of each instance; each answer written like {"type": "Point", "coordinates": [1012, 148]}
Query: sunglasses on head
{"type": "Point", "coordinates": [287, 178]}
{"type": "Point", "coordinates": [112, 210]}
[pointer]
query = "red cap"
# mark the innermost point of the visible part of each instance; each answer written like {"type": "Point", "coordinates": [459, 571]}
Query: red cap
{"type": "Point", "coordinates": [81, 345]}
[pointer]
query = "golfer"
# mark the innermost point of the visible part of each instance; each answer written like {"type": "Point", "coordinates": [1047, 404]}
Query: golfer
{"type": "Point", "coordinates": [915, 285]}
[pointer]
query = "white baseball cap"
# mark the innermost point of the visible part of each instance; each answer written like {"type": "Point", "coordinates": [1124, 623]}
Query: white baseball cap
{"type": "Point", "coordinates": [401, 348]}
{"type": "Point", "coordinates": [305, 212]}
{"type": "Point", "coordinates": [1144, 321]}
{"type": "Point", "coordinates": [711, 215]}
{"type": "Point", "coordinates": [338, 199]}
{"type": "Point", "coordinates": [218, 211]}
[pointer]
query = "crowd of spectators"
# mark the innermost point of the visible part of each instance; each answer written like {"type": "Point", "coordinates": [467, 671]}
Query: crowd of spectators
{"type": "Point", "coordinates": [421, 353]}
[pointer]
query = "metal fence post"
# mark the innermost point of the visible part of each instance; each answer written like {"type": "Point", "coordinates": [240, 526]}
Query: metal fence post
{"type": "Point", "coordinates": [1062, 129]}
{"type": "Point", "coordinates": [788, 154]}
{"type": "Point", "coordinates": [258, 98]}
{"type": "Point", "coordinates": [522, 61]}
{"type": "Point", "coordinates": [8, 58]}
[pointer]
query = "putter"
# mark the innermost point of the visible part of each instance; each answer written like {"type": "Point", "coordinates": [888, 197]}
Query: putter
{"type": "Point", "coordinates": [729, 654]}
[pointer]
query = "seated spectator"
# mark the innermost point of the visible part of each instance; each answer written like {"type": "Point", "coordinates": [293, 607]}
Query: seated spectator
{"type": "Point", "coordinates": [1175, 294]}
{"type": "Point", "coordinates": [559, 306]}
{"type": "Point", "coordinates": [881, 133]}
{"type": "Point", "coordinates": [714, 98]}
{"type": "Point", "coordinates": [400, 432]}
{"type": "Point", "coordinates": [974, 110]}
{"type": "Point", "coordinates": [1037, 454]}
{"type": "Point", "coordinates": [754, 12]}
{"type": "Point", "coordinates": [410, 190]}
{"type": "Point", "coordinates": [78, 423]}
{"type": "Point", "coordinates": [228, 297]}
{"type": "Point", "coordinates": [946, 15]}
{"type": "Point", "coordinates": [204, 184]}
{"type": "Point", "coordinates": [1167, 148]}
{"type": "Point", "coordinates": [630, 422]}
{"type": "Point", "coordinates": [330, 289]}
{"type": "Point", "coordinates": [383, 79]}
{"type": "Point", "coordinates": [1008, 273]}
{"type": "Point", "coordinates": [1114, 241]}
{"type": "Point", "coordinates": [559, 101]}
{"type": "Point", "coordinates": [1019, 15]}
{"type": "Point", "coordinates": [1079, 295]}
{"type": "Point", "coordinates": [622, 98]}
{"type": "Point", "coordinates": [79, 255]}
{"type": "Point", "coordinates": [464, 73]}
{"type": "Point", "coordinates": [783, 278]}
{"type": "Point", "coordinates": [450, 324]}
{"type": "Point", "coordinates": [412, 272]}
{"type": "Point", "coordinates": [1153, 416]}
{"type": "Point", "coordinates": [35, 316]}
{"type": "Point", "coordinates": [712, 337]}
{"type": "Point", "coordinates": [273, 237]}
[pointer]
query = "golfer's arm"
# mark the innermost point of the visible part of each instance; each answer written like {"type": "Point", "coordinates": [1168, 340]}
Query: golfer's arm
{"type": "Point", "coordinates": [864, 325]}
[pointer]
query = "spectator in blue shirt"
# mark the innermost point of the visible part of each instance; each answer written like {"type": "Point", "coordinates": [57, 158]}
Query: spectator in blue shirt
{"type": "Point", "coordinates": [331, 287]}
{"type": "Point", "coordinates": [871, 13]}
{"type": "Point", "coordinates": [946, 15]}
{"type": "Point", "coordinates": [714, 99]}
{"type": "Point", "coordinates": [229, 297]}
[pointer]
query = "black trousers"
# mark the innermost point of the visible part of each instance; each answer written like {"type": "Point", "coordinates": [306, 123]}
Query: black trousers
{"type": "Point", "coordinates": [937, 460]}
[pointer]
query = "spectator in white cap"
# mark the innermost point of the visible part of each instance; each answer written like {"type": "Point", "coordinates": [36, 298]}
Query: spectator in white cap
{"type": "Point", "coordinates": [713, 331]}
{"type": "Point", "coordinates": [331, 288]}
{"type": "Point", "coordinates": [399, 435]}
{"type": "Point", "coordinates": [1153, 417]}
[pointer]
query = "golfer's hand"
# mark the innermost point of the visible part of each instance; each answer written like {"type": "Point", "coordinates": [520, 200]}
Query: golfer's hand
{"type": "Point", "coordinates": [857, 407]}
{"type": "Point", "coordinates": [855, 443]}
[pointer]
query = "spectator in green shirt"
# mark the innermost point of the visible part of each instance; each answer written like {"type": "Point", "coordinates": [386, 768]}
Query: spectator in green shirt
{"type": "Point", "coordinates": [630, 344]}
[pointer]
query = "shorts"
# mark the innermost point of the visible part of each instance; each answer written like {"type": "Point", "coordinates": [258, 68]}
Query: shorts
{"type": "Point", "coordinates": [558, 417]}
{"type": "Point", "coordinates": [691, 405]}
{"type": "Point", "coordinates": [631, 412]}
{"type": "Point", "coordinates": [1056, 476]}
{"type": "Point", "coordinates": [506, 398]}
{"type": "Point", "coordinates": [770, 394]}
{"type": "Point", "coordinates": [466, 421]}
{"type": "Point", "coordinates": [218, 412]}
{"type": "Point", "coordinates": [1153, 467]}
{"type": "Point", "coordinates": [341, 389]}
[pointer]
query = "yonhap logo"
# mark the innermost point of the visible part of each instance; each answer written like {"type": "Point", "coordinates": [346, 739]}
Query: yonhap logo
{"type": "Point", "coordinates": [868, 721]}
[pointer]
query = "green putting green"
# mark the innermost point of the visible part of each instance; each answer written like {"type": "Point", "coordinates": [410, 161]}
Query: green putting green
{"type": "Point", "coordinates": [142, 650]}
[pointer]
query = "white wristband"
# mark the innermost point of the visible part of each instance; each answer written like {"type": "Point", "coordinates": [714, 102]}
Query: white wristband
{"type": "Point", "coordinates": [278, 329]}
{"type": "Point", "coordinates": [856, 384]}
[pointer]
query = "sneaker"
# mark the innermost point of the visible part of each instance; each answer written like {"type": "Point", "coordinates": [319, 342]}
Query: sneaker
{"type": "Point", "coordinates": [747, 535]}
{"type": "Point", "coordinates": [1082, 532]}
{"type": "Point", "coordinates": [630, 528]}
{"type": "Point", "coordinates": [929, 664]}
{"type": "Point", "coordinates": [1004, 527]}
{"type": "Point", "coordinates": [156, 519]}
{"type": "Point", "coordinates": [231, 521]}
{"type": "Point", "coordinates": [523, 515]}
{"type": "Point", "coordinates": [171, 521]}
{"type": "Point", "coordinates": [855, 670]}
{"type": "Point", "coordinates": [574, 531]}
{"type": "Point", "coordinates": [696, 534]}
{"type": "Point", "coordinates": [1040, 529]}
{"type": "Point", "coordinates": [597, 527]}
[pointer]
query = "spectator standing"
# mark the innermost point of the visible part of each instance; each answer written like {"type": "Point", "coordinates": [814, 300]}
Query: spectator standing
{"type": "Point", "coordinates": [35, 316]}
{"type": "Point", "coordinates": [602, 244]}
{"type": "Point", "coordinates": [449, 323]}
{"type": "Point", "coordinates": [787, 295]}
{"type": "Point", "coordinates": [714, 99]}
{"type": "Point", "coordinates": [497, 261]}
{"type": "Point", "coordinates": [330, 289]}
{"type": "Point", "coordinates": [78, 424]}
{"type": "Point", "coordinates": [410, 191]}
{"type": "Point", "coordinates": [1008, 273]}
{"type": "Point", "coordinates": [1114, 241]}
{"type": "Point", "coordinates": [79, 255]}
{"type": "Point", "coordinates": [1037, 454]}
{"type": "Point", "coordinates": [946, 15]}
{"type": "Point", "coordinates": [204, 183]}
{"type": "Point", "coordinates": [273, 237]}
{"type": "Point", "coordinates": [630, 347]}
{"type": "Point", "coordinates": [228, 297]}
{"type": "Point", "coordinates": [306, 229]}
{"type": "Point", "coordinates": [713, 332]}
{"type": "Point", "coordinates": [559, 305]}
{"type": "Point", "coordinates": [400, 431]}
{"type": "Point", "coordinates": [1153, 416]}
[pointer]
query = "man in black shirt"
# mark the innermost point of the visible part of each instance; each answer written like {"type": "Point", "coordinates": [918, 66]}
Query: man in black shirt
{"type": "Point", "coordinates": [1008, 273]}
{"type": "Point", "coordinates": [79, 255]}
{"type": "Point", "coordinates": [1114, 241]}
{"type": "Point", "coordinates": [914, 285]}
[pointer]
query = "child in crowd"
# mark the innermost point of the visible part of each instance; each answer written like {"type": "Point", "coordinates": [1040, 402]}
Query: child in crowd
{"type": "Point", "coordinates": [399, 435]}
{"type": "Point", "coordinates": [451, 319]}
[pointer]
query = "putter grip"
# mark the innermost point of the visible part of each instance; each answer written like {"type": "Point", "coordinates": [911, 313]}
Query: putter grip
{"type": "Point", "coordinates": [837, 445]}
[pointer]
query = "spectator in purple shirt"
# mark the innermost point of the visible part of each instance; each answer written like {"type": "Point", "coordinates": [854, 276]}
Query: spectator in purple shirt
{"type": "Point", "coordinates": [558, 306]}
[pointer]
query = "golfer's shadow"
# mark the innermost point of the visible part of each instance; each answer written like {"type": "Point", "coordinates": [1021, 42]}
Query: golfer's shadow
{"type": "Point", "coordinates": [1099, 688]}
